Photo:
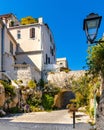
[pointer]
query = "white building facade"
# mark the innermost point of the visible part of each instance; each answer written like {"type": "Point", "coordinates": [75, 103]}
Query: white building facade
{"type": "Point", "coordinates": [34, 48]}
{"type": "Point", "coordinates": [7, 49]}
{"type": "Point", "coordinates": [62, 62]}
{"type": "Point", "coordinates": [35, 44]}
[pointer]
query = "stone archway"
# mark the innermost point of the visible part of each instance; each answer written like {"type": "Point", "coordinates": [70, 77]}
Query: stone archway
{"type": "Point", "coordinates": [63, 99]}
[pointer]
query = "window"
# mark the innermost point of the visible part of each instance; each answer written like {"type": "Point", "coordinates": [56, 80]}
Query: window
{"type": "Point", "coordinates": [46, 59]}
{"type": "Point", "coordinates": [32, 33]}
{"type": "Point", "coordinates": [50, 38]}
{"type": "Point", "coordinates": [61, 63]}
{"type": "Point", "coordinates": [18, 34]}
{"type": "Point", "coordinates": [17, 47]}
{"type": "Point", "coordinates": [11, 47]}
{"type": "Point", "coordinates": [51, 51]}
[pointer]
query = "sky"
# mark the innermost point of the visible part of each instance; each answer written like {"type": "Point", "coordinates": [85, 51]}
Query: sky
{"type": "Point", "coordinates": [65, 19]}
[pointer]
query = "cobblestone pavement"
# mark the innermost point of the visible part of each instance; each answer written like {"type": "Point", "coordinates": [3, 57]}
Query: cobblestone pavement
{"type": "Point", "coordinates": [55, 120]}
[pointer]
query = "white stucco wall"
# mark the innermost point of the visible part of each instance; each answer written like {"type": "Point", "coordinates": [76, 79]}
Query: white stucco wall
{"type": "Point", "coordinates": [47, 43]}
{"type": "Point", "coordinates": [8, 60]}
{"type": "Point", "coordinates": [41, 43]}
{"type": "Point", "coordinates": [33, 59]}
{"type": "Point", "coordinates": [27, 43]}
{"type": "Point", "coordinates": [25, 73]}
{"type": "Point", "coordinates": [62, 62]}
{"type": "Point", "coordinates": [0, 45]}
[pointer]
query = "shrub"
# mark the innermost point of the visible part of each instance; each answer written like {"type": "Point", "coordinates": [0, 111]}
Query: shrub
{"type": "Point", "coordinates": [35, 100]}
{"type": "Point", "coordinates": [41, 83]}
{"type": "Point", "coordinates": [35, 109]}
{"type": "Point", "coordinates": [28, 20]}
{"type": "Point", "coordinates": [9, 89]}
{"type": "Point", "coordinates": [47, 101]}
{"type": "Point", "coordinates": [14, 110]}
{"type": "Point", "coordinates": [32, 84]}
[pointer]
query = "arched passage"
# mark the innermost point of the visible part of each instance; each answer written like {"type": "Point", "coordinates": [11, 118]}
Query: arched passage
{"type": "Point", "coordinates": [63, 99]}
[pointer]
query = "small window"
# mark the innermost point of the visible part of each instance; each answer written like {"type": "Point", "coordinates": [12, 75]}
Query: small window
{"type": "Point", "coordinates": [32, 33]}
{"type": "Point", "coordinates": [46, 59]}
{"type": "Point", "coordinates": [18, 34]}
{"type": "Point", "coordinates": [11, 47]}
{"type": "Point", "coordinates": [50, 38]}
{"type": "Point", "coordinates": [61, 63]}
{"type": "Point", "coordinates": [17, 47]}
{"type": "Point", "coordinates": [51, 51]}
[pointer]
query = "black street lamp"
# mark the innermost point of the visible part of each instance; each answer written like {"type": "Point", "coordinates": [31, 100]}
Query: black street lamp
{"type": "Point", "coordinates": [91, 25]}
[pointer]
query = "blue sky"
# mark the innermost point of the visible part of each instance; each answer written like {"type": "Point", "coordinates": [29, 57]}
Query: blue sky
{"type": "Point", "coordinates": [65, 18]}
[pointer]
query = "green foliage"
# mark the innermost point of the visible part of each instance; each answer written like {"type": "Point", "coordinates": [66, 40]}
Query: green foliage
{"type": "Point", "coordinates": [47, 101]}
{"type": "Point", "coordinates": [28, 20]}
{"type": "Point", "coordinates": [81, 89]}
{"type": "Point", "coordinates": [90, 111]}
{"type": "Point", "coordinates": [85, 88]}
{"type": "Point", "coordinates": [9, 89]}
{"type": "Point", "coordinates": [32, 84]}
{"type": "Point", "coordinates": [41, 83]}
{"type": "Point", "coordinates": [14, 110]}
{"type": "Point", "coordinates": [64, 69]}
{"type": "Point", "coordinates": [51, 89]}
{"type": "Point", "coordinates": [95, 59]}
{"type": "Point", "coordinates": [34, 100]}
{"type": "Point", "coordinates": [35, 109]}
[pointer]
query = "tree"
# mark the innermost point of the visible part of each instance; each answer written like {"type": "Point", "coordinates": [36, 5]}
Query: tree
{"type": "Point", "coordinates": [95, 61]}
{"type": "Point", "coordinates": [28, 20]}
{"type": "Point", "coordinates": [85, 89]}
{"type": "Point", "coordinates": [82, 90]}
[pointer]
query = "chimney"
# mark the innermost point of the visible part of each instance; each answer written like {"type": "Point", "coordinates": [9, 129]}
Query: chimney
{"type": "Point", "coordinates": [40, 20]}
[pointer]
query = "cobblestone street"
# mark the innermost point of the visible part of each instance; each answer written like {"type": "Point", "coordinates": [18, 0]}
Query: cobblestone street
{"type": "Point", "coordinates": [55, 120]}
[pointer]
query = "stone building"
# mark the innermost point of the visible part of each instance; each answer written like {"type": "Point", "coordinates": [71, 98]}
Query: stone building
{"type": "Point", "coordinates": [62, 62]}
{"type": "Point", "coordinates": [33, 49]}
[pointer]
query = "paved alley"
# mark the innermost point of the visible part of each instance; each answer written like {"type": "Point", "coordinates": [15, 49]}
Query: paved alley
{"type": "Point", "coordinates": [55, 120]}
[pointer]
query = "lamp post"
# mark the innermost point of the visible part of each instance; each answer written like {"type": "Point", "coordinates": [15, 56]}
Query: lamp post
{"type": "Point", "coordinates": [91, 25]}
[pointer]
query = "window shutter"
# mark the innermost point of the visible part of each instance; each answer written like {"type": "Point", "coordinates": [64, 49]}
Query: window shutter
{"type": "Point", "coordinates": [32, 32]}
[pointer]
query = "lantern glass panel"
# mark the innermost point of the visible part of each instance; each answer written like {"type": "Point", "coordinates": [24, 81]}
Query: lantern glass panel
{"type": "Point", "coordinates": [92, 24]}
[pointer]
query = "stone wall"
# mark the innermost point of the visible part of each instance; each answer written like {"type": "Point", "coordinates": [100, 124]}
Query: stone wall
{"type": "Point", "coordinates": [6, 101]}
{"type": "Point", "coordinates": [61, 78]}
{"type": "Point", "coordinates": [25, 73]}
{"type": "Point", "coordinates": [100, 114]}
{"type": "Point", "coordinates": [2, 95]}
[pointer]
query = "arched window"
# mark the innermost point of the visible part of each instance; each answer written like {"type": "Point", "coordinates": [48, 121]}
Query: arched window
{"type": "Point", "coordinates": [32, 33]}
